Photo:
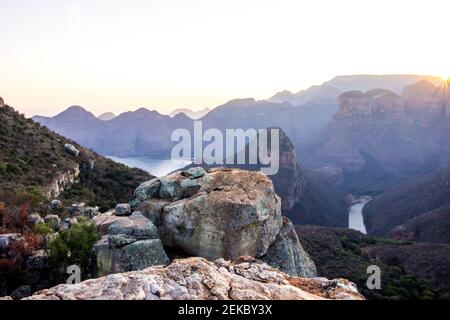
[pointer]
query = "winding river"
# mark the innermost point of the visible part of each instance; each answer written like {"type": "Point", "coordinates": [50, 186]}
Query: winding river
{"type": "Point", "coordinates": [355, 216]}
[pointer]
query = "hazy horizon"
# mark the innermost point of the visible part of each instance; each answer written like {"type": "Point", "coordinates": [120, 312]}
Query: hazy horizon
{"type": "Point", "coordinates": [111, 57]}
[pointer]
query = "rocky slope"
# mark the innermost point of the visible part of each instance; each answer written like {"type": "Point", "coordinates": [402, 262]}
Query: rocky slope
{"type": "Point", "coordinates": [424, 198]}
{"type": "Point", "coordinates": [408, 270]}
{"type": "Point", "coordinates": [429, 227]}
{"type": "Point", "coordinates": [196, 278]}
{"type": "Point", "coordinates": [33, 156]}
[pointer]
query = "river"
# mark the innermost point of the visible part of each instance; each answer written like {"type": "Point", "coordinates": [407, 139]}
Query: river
{"type": "Point", "coordinates": [355, 215]}
{"type": "Point", "coordinates": [157, 167]}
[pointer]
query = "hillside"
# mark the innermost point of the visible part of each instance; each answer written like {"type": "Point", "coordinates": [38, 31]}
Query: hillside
{"type": "Point", "coordinates": [34, 157]}
{"type": "Point", "coordinates": [408, 270]}
{"type": "Point", "coordinates": [415, 198]}
{"type": "Point", "coordinates": [430, 227]}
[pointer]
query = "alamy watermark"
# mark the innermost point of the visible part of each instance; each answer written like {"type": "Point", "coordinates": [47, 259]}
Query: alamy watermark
{"type": "Point", "coordinates": [238, 146]}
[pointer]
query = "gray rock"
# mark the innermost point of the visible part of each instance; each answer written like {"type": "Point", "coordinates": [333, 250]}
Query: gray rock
{"type": "Point", "coordinates": [8, 239]}
{"type": "Point", "coordinates": [120, 240]}
{"type": "Point", "coordinates": [53, 221]}
{"type": "Point", "coordinates": [147, 189]}
{"type": "Point", "coordinates": [70, 148]}
{"type": "Point", "coordinates": [152, 210]}
{"type": "Point", "coordinates": [77, 209]}
{"type": "Point", "coordinates": [123, 209]}
{"type": "Point", "coordinates": [2, 103]}
{"type": "Point", "coordinates": [177, 186]}
{"type": "Point", "coordinates": [136, 226]}
{"type": "Point", "coordinates": [35, 219]}
{"type": "Point", "coordinates": [38, 261]}
{"type": "Point", "coordinates": [135, 256]}
{"type": "Point", "coordinates": [56, 204]}
{"type": "Point", "coordinates": [21, 292]}
{"type": "Point", "coordinates": [91, 212]}
{"type": "Point", "coordinates": [143, 254]}
{"type": "Point", "coordinates": [288, 255]}
{"type": "Point", "coordinates": [195, 172]}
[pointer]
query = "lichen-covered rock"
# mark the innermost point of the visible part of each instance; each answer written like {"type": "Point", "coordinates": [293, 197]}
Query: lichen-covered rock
{"type": "Point", "coordinates": [123, 209]}
{"type": "Point", "coordinates": [104, 220]}
{"type": "Point", "coordinates": [288, 255]}
{"type": "Point", "coordinates": [135, 226]}
{"type": "Point", "coordinates": [130, 243]}
{"type": "Point", "coordinates": [115, 254]}
{"type": "Point", "coordinates": [196, 278]}
{"type": "Point", "coordinates": [147, 189]}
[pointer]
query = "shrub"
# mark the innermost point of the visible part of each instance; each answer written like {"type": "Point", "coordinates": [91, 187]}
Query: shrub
{"type": "Point", "coordinates": [74, 246]}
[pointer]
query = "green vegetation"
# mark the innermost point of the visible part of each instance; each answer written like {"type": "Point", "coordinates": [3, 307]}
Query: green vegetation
{"type": "Point", "coordinates": [74, 246]}
{"type": "Point", "coordinates": [340, 253]}
{"type": "Point", "coordinates": [33, 156]}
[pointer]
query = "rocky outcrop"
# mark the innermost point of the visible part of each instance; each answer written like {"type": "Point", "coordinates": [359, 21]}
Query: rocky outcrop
{"type": "Point", "coordinates": [62, 181]}
{"type": "Point", "coordinates": [70, 148]}
{"type": "Point", "coordinates": [129, 243]}
{"type": "Point", "coordinates": [196, 278]}
{"type": "Point", "coordinates": [222, 213]}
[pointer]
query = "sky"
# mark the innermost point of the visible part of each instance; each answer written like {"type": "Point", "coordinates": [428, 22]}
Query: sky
{"type": "Point", "coordinates": [111, 55]}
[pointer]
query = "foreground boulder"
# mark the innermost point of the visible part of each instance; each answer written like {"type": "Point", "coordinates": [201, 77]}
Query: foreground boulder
{"type": "Point", "coordinates": [222, 213]}
{"type": "Point", "coordinates": [196, 278]}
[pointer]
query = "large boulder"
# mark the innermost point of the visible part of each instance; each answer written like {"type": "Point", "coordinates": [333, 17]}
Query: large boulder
{"type": "Point", "coordinates": [288, 255]}
{"type": "Point", "coordinates": [222, 213]}
{"type": "Point", "coordinates": [198, 279]}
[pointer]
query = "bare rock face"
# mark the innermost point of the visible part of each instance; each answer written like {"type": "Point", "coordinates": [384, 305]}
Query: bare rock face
{"type": "Point", "coordinates": [222, 213]}
{"type": "Point", "coordinates": [196, 278]}
{"type": "Point", "coordinates": [288, 255]}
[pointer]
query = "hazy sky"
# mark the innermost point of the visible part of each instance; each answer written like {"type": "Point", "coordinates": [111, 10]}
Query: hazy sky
{"type": "Point", "coordinates": [120, 55]}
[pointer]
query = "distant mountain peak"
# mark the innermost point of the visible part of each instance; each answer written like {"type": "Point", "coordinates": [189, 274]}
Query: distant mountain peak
{"type": "Point", "coordinates": [106, 116]}
{"type": "Point", "coordinates": [75, 112]}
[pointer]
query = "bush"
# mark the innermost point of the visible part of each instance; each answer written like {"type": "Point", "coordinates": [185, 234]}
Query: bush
{"type": "Point", "coordinates": [74, 246]}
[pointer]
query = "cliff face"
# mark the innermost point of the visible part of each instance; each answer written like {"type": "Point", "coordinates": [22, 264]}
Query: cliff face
{"type": "Point", "coordinates": [196, 278]}
{"type": "Point", "coordinates": [62, 181]}
{"type": "Point", "coordinates": [378, 138]}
